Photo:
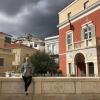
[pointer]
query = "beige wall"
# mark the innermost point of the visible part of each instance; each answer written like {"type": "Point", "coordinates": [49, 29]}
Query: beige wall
{"type": "Point", "coordinates": [6, 54]}
{"type": "Point", "coordinates": [24, 52]}
{"type": "Point", "coordinates": [17, 53]}
{"type": "Point", "coordinates": [74, 8]}
{"type": "Point", "coordinates": [50, 41]}
{"type": "Point", "coordinates": [20, 54]}
{"type": "Point", "coordinates": [2, 41]}
{"type": "Point", "coordinates": [8, 57]}
{"type": "Point", "coordinates": [98, 54]}
{"type": "Point", "coordinates": [41, 48]}
{"type": "Point", "coordinates": [51, 89]}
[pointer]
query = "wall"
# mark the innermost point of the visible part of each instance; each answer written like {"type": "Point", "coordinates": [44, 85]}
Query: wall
{"type": "Point", "coordinates": [2, 39]}
{"type": "Point", "coordinates": [26, 51]}
{"type": "Point", "coordinates": [51, 89]}
{"type": "Point", "coordinates": [17, 53]}
{"type": "Point", "coordinates": [98, 53]}
{"type": "Point", "coordinates": [8, 57]}
{"type": "Point", "coordinates": [73, 9]}
{"type": "Point", "coordinates": [20, 54]}
{"type": "Point", "coordinates": [49, 41]}
{"type": "Point", "coordinates": [76, 36]}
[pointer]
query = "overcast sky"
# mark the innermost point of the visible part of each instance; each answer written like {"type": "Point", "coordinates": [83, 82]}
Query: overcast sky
{"type": "Point", "coordinates": [30, 16]}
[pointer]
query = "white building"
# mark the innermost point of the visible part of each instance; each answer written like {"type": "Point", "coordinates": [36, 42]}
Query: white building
{"type": "Point", "coordinates": [52, 46]}
{"type": "Point", "coordinates": [32, 42]}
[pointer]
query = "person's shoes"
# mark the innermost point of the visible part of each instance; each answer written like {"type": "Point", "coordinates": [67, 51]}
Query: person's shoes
{"type": "Point", "coordinates": [26, 93]}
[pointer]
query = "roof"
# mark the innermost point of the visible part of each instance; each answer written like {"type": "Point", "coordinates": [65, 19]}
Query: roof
{"type": "Point", "coordinates": [70, 4]}
{"type": "Point", "coordinates": [5, 34]}
{"type": "Point", "coordinates": [52, 37]}
{"type": "Point", "coordinates": [17, 45]}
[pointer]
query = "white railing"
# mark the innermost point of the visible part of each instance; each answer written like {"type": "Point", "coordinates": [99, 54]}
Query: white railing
{"type": "Point", "coordinates": [82, 44]}
{"type": "Point", "coordinates": [78, 45]}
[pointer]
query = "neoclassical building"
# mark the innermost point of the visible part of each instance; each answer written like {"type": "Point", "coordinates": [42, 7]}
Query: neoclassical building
{"type": "Point", "coordinates": [79, 38]}
{"type": "Point", "coordinates": [31, 41]}
{"type": "Point", "coordinates": [6, 55]}
{"type": "Point", "coordinates": [52, 47]}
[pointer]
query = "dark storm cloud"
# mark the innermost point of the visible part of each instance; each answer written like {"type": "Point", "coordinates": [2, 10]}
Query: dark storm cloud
{"type": "Point", "coordinates": [12, 7]}
{"type": "Point", "coordinates": [36, 16]}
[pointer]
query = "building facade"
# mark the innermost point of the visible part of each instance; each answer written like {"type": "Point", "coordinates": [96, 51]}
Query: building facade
{"type": "Point", "coordinates": [6, 55]}
{"type": "Point", "coordinates": [31, 41]}
{"type": "Point", "coordinates": [79, 38]}
{"type": "Point", "coordinates": [20, 51]}
{"type": "Point", "coordinates": [52, 47]}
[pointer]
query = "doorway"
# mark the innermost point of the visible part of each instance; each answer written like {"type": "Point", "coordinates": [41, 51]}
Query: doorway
{"type": "Point", "coordinates": [91, 69]}
{"type": "Point", "coordinates": [80, 65]}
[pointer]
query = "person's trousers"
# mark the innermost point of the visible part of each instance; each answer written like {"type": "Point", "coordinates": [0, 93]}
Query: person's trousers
{"type": "Point", "coordinates": [27, 81]}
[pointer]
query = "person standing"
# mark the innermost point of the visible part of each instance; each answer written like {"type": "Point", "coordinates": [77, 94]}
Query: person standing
{"type": "Point", "coordinates": [27, 72]}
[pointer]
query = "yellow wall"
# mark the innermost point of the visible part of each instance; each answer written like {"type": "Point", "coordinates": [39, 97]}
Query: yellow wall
{"type": "Point", "coordinates": [1, 40]}
{"type": "Point", "coordinates": [17, 53]}
{"type": "Point", "coordinates": [20, 54]}
{"type": "Point", "coordinates": [24, 52]}
{"type": "Point", "coordinates": [74, 8]}
{"type": "Point", "coordinates": [8, 57]}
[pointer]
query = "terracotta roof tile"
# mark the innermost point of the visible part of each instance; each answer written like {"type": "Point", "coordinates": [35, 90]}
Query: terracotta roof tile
{"type": "Point", "coordinates": [17, 45]}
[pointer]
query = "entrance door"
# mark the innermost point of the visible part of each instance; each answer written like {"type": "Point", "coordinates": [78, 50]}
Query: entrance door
{"type": "Point", "coordinates": [91, 69]}
{"type": "Point", "coordinates": [80, 64]}
{"type": "Point", "coordinates": [81, 69]}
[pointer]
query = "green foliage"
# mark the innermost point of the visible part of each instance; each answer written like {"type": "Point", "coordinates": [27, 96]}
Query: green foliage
{"type": "Point", "coordinates": [43, 63]}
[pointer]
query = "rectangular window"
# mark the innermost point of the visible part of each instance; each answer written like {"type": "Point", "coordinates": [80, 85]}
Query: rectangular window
{"type": "Point", "coordinates": [69, 38]}
{"type": "Point", "coordinates": [1, 62]}
{"type": "Point", "coordinates": [86, 4]}
{"type": "Point", "coordinates": [87, 32]}
{"type": "Point", "coordinates": [8, 39]}
{"type": "Point", "coordinates": [48, 49]}
{"type": "Point", "coordinates": [53, 48]}
{"type": "Point", "coordinates": [35, 45]}
{"type": "Point", "coordinates": [69, 15]}
{"type": "Point", "coordinates": [91, 69]}
{"type": "Point", "coordinates": [69, 68]}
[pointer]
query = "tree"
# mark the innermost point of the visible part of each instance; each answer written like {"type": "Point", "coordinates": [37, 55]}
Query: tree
{"type": "Point", "coordinates": [43, 63]}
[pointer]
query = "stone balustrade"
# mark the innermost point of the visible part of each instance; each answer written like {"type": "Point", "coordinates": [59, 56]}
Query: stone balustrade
{"type": "Point", "coordinates": [51, 88]}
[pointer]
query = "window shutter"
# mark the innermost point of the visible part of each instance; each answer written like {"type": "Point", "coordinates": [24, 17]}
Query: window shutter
{"type": "Point", "coordinates": [93, 30]}
{"type": "Point", "coordinates": [71, 38]}
{"type": "Point", "coordinates": [82, 34]}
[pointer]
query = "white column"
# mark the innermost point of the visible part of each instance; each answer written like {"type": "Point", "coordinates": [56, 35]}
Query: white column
{"type": "Point", "coordinates": [75, 69]}
{"type": "Point", "coordinates": [95, 69]}
{"type": "Point", "coordinates": [87, 72]}
{"type": "Point", "coordinates": [68, 75]}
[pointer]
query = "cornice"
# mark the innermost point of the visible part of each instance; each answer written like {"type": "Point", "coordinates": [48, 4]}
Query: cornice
{"type": "Point", "coordinates": [97, 4]}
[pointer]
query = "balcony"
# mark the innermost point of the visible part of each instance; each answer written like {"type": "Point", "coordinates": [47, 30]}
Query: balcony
{"type": "Point", "coordinates": [82, 44]}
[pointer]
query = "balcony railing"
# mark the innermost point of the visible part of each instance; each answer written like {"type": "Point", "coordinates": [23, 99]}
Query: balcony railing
{"type": "Point", "coordinates": [78, 45]}
{"type": "Point", "coordinates": [82, 44]}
